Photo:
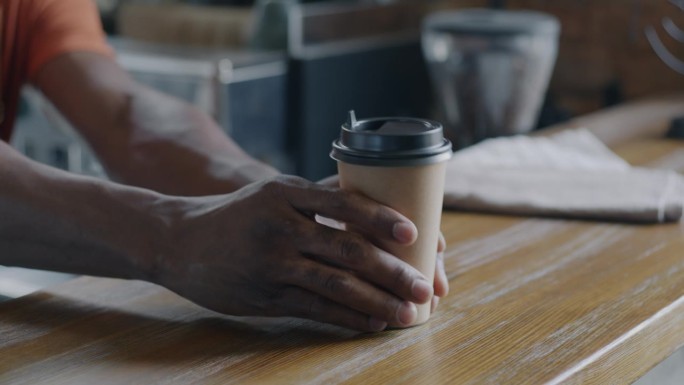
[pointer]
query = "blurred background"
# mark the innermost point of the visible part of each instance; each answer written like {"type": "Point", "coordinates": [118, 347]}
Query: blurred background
{"type": "Point", "coordinates": [280, 75]}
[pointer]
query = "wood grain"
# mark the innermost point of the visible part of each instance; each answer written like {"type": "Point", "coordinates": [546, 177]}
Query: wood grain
{"type": "Point", "coordinates": [532, 301]}
{"type": "Point", "coordinates": [643, 119]}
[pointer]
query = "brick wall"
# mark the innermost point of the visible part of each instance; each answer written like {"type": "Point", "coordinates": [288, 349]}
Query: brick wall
{"type": "Point", "coordinates": [603, 43]}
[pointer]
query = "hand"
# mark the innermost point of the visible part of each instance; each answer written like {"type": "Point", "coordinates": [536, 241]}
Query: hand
{"type": "Point", "coordinates": [441, 282]}
{"type": "Point", "coordinates": [259, 251]}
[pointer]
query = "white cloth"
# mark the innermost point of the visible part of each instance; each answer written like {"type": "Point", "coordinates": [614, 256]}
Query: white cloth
{"type": "Point", "coordinates": [571, 174]}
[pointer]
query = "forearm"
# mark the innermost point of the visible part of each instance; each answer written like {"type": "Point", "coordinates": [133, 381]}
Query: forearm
{"type": "Point", "coordinates": [57, 221]}
{"type": "Point", "coordinates": [176, 149]}
{"type": "Point", "coordinates": [145, 138]}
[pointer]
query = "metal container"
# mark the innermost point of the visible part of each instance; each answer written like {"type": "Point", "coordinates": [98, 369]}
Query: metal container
{"type": "Point", "coordinates": [490, 69]}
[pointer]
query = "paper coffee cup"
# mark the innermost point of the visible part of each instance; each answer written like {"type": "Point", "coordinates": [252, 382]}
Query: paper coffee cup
{"type": "Point", "coordinates": [401, 163]}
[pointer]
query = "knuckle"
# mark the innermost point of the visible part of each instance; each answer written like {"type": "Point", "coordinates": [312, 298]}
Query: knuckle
{"type": "Point", "coordinates": [389, 308]}
{"type": "Point", "coordinates": [382, 216]}
{"type": "Point", "coordinates": [402, 276]}
{"type": "Point", "coordinates": [339, 200]}
{"type": "Point", "coordinates": [327, 235]}
{"type": "Point", "coordinates": [351, 250]}
{"type": "Point", "coordinates": [311, 275]}
{"type": "Point", "coordinates": [315, 307]}
{"type": "Point", "coordinates": [336, 283]}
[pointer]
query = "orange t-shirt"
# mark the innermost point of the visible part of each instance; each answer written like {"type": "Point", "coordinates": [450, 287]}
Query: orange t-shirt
{"type": "Point", "coordinates": [33, 32]}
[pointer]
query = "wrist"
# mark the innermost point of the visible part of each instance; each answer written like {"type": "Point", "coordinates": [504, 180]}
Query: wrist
{"type": "Point", "coordinates": [163, 214]}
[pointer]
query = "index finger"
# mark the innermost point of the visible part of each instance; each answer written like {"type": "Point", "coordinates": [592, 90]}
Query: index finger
{"type": "Point", "coordinates": [371, 217]}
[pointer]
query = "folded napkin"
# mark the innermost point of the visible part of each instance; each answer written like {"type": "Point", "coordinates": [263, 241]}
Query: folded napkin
{"type": "Point", "coordinates": [571, 174]}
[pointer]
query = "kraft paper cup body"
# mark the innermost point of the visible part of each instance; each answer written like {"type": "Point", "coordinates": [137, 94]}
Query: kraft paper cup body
{"type": "Point", "coordinates": [416, 192]}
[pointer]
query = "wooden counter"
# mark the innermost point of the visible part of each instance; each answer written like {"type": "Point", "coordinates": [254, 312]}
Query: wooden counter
{"type": "Point", "coordinates": [532, 301]}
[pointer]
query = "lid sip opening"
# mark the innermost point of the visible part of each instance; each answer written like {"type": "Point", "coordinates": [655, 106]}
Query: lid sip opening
{"type": "Point", "coordinates": [352, 119]}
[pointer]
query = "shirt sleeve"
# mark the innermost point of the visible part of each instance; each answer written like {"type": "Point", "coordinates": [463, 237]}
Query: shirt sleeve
{"type": "Point", "coordinates": [63, 26]}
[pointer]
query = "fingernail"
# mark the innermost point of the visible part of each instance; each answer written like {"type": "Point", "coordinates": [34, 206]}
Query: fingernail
{"type": "Point", "coordinates": [435, 302]}
{"type": "Point", "coordinates": [441, 244]}
{"type": "Point", "coordinates": [407, 313]}
{"type": "Point", "coordinates": [377, 325]}
{"type": "Point", "coordinates": [422, 290]}
{"type": "Point", "coordinates": [405, 232]}
{"type": "Point", "coordinates": [445, 292]}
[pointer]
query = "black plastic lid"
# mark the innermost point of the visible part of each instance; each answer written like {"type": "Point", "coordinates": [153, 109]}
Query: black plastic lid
{"type": "Point", "coordinates": [391, 142]}
{"type": "Point", "coordinates": [492, 22]}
